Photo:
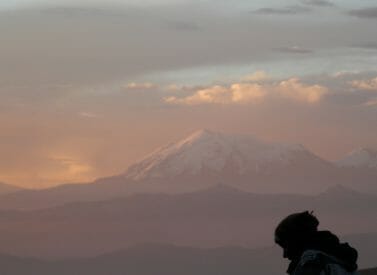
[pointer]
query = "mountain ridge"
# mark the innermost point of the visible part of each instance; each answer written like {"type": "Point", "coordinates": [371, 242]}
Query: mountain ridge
{"type": "Point", "coordinates": [6, 188]}
{"type": "Point", "coordinates": [361, 157]}
{"type": "Point", "coordinates": [218, 216]}
{"type": "Point", "coordinates": [150, 259]}
{"type": "Point", "coordinates": [212, 151]}
{"type": "Point", "coordinates": [212, 158]}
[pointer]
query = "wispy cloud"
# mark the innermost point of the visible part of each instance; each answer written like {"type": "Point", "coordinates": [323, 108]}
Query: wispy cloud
{"type": "Point", "coordinates": [370, 12]}
{"type": "Point", "coordinates": [318, 3]}
{"type": "Point", "coordinates": [343, 74]}
{"type": "Point", "coordinates": [140, 86]}
{"type": "Point", "coordinates": [283, 10]}
{"type": "Point", "coordinates": [256, 77]}
{"type": "Point", "coordinates": [368, 84]}
{"type": "Point", "coordinates": [371, 102]}
{"type": "Point", "coordinates": [88, 115]}
{"type": "Point", "coordinates": [368, 45]}
{"type": "Point", "coordinates": [69, 168]}
{"type": "Point", "coordinates": [294, 49]}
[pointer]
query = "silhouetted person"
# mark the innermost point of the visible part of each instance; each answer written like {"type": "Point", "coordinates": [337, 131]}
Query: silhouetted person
{"type": "Point", "coordinates": [313, 252]}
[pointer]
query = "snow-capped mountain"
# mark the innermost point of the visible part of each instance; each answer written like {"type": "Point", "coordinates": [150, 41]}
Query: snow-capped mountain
{"type": "Point", "coordinates": [360, 158]}
{"type": "Point", "coordinates": [210, 151]}
{"type": "Point", "coordinates": [231, 159]}
{"type": "Point", "coordinates": [206, 159]}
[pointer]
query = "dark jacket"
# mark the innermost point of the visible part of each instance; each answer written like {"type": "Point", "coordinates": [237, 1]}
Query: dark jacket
{"type": "Point", "coordinates": [322, 253]}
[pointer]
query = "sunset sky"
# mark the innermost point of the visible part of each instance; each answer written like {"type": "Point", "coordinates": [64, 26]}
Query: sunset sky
{"type": "Point", "coordinates": [89, 87]}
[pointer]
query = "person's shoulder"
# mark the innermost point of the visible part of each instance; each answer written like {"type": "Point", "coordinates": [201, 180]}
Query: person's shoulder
{"type": "Point", "coordinates": [314, 262]}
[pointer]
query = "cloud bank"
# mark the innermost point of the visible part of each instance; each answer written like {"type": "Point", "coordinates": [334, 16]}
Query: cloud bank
{"type": "Point", "coordinates": [370, 12]}
{"type": "Point", "coordinates": [369, 84]}
{"type": "Point", "coordinates": [245, 93]}
{"type": "Point", "coordinates": [319, 3]}
{"type": "Point", "coordinates": [289, 10]}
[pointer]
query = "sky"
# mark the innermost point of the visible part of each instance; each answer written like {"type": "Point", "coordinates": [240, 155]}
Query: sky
{"type": "Point", "coordinates": [89, 87]}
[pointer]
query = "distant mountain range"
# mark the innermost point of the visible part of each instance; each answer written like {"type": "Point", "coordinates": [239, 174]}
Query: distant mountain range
{"type": "Point", "coordinates": [156, 260]}
{"type": "Point", "coordinates": [221, 194]}
{"type": "Point", "coordinates": [208, 158]}
{"type": "Point", "coordinates": [209, 152]}
{"type": "Point", "coordinates": [218, 216]}
{"type": "Point", "coordinates": [8, 188]}
{"type": "Point", "coordinates": [363, 157]}
{"type": "Point", "coordinates": [253, 165]}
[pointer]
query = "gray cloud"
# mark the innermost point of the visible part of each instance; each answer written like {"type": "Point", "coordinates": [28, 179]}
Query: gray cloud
{"type": "Point", "coordinates": [284, 10]}
{"type": "Point", "coordinates": [294, 49]}
{"type": "Point", "coordinates": [318, 3]}
{"type": "Point", "coordinates": [74, 46]}
{"type": "Point", "coordinates": [368, 45]}
{"type": "Point", "coordinates": [370, 12]}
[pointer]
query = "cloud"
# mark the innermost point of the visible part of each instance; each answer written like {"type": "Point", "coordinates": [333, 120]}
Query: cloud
{"type": "Point", "coordinates": [368, 45]}
{"type": "Point", "coordinates": [68, 168]}
{"type": "Point", "coordinates": [88, 115]}
{"type": "Point", "coordinates": [113, 50]}
{"type": "Point", "coordinates": [369, 84]}
{"type": "Point", "coordinates": [141, 86]}
{"type": "Point", "coordinates": [246, 93]}
{"type": "Point", "coordinates": [256, 76]}
{"type": "Point", "coordinates": [344, 74]}
{"type": "Point", "coordinates": [294, 49]}
{"type": "Point", "coordinates": [370, 12]}
{"type": "Point", "coordinates": [215, 94]}
{"type": "Point", "coordinates": [294, 89]}
{"type": "Point", "coordinates": [284, 10]}
{"type": "Point", "coordinates": [318, 3]}
{"type": "Point", "coordinates": [371, 102]}
{"type": "Point", "coordinates": [173, 88]}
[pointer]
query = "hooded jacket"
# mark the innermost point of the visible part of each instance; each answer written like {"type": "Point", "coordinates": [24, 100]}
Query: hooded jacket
{"type": "Point", "coordinates": [322, 253]}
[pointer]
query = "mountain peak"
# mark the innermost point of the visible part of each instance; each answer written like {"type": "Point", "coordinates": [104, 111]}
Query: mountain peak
{"type": "Point", "coordinates": [202, 133]}
{"type": "Point", "coordinates": [364, 150]}
{"type": "Point", "coordinates": [200, 136]}
{"type": "Point", "coordinates": [361, 157]}
{"type": "Point", "coordinates": [206, 152]}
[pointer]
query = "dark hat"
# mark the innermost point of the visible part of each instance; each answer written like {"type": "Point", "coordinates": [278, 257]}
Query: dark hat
{"type": "Point", "coordinates": [294, 227]}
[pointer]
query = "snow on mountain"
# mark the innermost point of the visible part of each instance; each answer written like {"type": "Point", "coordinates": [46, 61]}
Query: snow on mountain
{"type": "Point", "coordinates": [360, 158]}
{"type": "Point", "coordinates": [211, 152]}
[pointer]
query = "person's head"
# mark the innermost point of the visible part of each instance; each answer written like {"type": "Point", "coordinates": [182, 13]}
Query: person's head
{"type": "Point", "coordinates": [293, 230]}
